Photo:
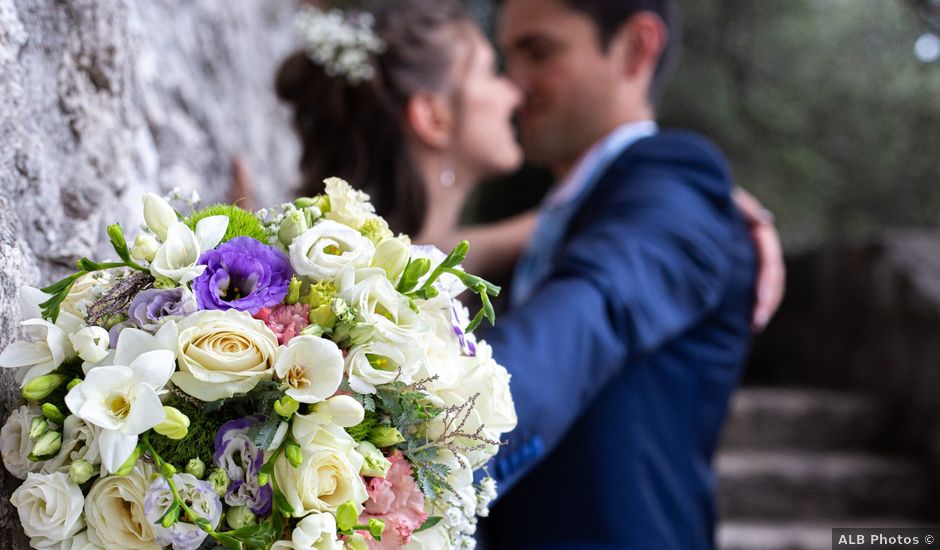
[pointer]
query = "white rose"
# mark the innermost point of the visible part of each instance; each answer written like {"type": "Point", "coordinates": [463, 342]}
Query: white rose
{"type": "Point", "coordinates": [385, 312]}
{"type": "Point", "coordinates": [177, 256]}
{"type": "Point", "coordinates": [85, 290]}
{"type": "Point", "coordinates": [114, 510]}
{"type": "Point", "coordinates": [221, 353]}
{"type": "Point", "coordinates": [348, 206]}
{"type": "Point", "coordinates": [158, 215]}
{"type": "Point", "coordinates": [316, 532]}
{"type": "Point", "coordinates": [494, 408]}
{"type": "Point", "coordinates": [441, 346]}
{"type": "Point", "coordinates": [378, 363]}
{"type": "Point", "coordinates": [312, 368]}
{"type": "Point", "coordinates": [91, 343]}
{"type": "Point", "coordinates": [50, 508]}
{"type": "Point", "coordinates": [322, 251]}
{"type": "Point", "coordinates": [15, 444]}
{"type": "Point", "coordinates": [329, 473]}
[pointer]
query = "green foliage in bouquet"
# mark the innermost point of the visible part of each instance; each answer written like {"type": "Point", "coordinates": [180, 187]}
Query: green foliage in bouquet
{"type": "Point", "coordinates": [241, 223]}
{"type": "Point", "coordinates": [200, 439]}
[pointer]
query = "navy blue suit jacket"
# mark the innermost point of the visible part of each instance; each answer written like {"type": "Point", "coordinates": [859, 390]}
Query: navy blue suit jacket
{"type": "Point", "coordinates": [624, 360]}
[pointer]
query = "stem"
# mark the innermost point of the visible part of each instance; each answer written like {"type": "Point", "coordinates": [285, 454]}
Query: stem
{"type": "Point", "coordinates": [176, 494]}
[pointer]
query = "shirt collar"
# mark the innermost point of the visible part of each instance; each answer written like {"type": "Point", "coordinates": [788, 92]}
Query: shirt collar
{"type": "Point", "coordinates": [596, 158]}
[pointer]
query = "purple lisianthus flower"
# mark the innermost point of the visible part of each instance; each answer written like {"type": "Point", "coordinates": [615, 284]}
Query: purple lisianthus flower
{"type": "Point", "coordinates": [199, 495]}
{"type": "Point", "coordinates": [241, 459]}
{"type": "Point", "coordinates": [242, 274]}
{"type": "Point", "coordinates": [150, 306]}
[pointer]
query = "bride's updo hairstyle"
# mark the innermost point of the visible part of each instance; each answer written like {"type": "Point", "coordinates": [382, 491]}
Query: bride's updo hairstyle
{"type": "Point", "coordinates": [355, 128]}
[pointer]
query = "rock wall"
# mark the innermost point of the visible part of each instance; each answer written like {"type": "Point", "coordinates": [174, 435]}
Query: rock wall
{"type": "Point", "coordinates": [102, 100]}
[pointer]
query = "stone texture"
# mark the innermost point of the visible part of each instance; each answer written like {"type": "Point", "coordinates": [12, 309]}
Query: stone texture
{"type": "Point", "coordinates": [102, 100]}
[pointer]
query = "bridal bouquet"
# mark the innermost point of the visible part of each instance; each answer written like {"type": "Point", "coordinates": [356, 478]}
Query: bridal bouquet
{"type": "Point", "coordinates": [292, 378]}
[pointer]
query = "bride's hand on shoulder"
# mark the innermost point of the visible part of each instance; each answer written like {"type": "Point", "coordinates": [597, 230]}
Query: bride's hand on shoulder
{"type": "Point", "coordinates": [771, 273]}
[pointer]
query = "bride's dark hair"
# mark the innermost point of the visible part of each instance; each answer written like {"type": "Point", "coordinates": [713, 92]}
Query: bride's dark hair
{"type": "Point", "coordinates": [356, 131]}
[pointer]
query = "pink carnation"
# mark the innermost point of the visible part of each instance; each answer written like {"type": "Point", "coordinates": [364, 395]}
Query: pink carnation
{"type": "Point", "coordinates": [285, 321]}
{"type": "Point", "coordinates": [398, 502]}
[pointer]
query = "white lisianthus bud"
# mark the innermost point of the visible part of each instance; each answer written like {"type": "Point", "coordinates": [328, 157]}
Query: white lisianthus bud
{"type": "Point", "coordinates": [91, 343]}
{"type": "Point", "coordinates": [392, 255]}
{"type": "Point", "coordinates": [158, 214]}
{"type": "Point", "coordinates": [81, 471]}
{"type": "Point", "coordinates": [342, 410]}
{"type": "Point", "coordinates": [292, 226]}
{"type": "Point", "coordinates": [145, 248]}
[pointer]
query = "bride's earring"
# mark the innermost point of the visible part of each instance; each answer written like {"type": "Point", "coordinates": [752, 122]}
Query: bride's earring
{"type": "Point", "coordinates": [448, 177]}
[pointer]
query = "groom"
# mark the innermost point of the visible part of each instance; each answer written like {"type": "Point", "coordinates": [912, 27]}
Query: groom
{"type": "Point", "coordinates": [633, 299]}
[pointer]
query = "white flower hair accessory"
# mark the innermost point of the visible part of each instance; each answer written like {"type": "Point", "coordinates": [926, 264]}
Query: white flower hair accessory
{"type": "Point", "coordinates": [342, 44]}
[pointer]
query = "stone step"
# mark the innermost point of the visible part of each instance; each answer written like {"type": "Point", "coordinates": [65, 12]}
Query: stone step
{"type": "Point", "coordinates": [765, 418]}
{"type": "Point", "coordinates": [808, 535]}
{"type": "Point", "coordinates": [794, 485]}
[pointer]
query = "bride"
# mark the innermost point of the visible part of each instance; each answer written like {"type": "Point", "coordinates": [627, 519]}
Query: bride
{"type": "Point", "coordinates": [430, 121]}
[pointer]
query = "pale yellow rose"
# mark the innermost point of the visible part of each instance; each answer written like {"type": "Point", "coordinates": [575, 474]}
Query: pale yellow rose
{"type": "Point", "coordinates": [325, 479]}
{"type": "Point", "coordinates": [114, 511]}
{"type": "Point", "coordinates": [221, 353]}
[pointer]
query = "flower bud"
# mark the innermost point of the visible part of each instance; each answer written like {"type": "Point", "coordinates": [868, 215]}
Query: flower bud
{"type": "Point", "coordinates": [158, 214]}
{"type": "Point", "coordinates": [171, 515]}
{"type": "Point", "coordinates": [81, 471]}
{"type": "Point", "coordinates": [294, 455]}
{"type": "Point", "coordinates": [53, 413]}
{"type": "Point", "coordinates": [167, 470]}
{"type": "Point", "coordinates": [376, 527]}
{"type": "Point", "coordinates": [323, 317]}
{"type": "Point", "coordinates": [37, 427]}
{"type": "Point", "coordinates": [342, 410]}
{"type": "Point", "coordinates": [41, 386]}
{"type": "Point", "coordinates": [240, 516]}
{"type": "Point", "coordinates": [175, 425]}
{"type": "Point", "coordinates": [73, 383]}
{"type": "Point", "coordinates": [129, 464]}
{"type": "Point", "coordinates": [144, 248]}
{"type": "Point", "coordinates": [219, 481]}
{"type": "Point", "coordinates": [263, 478]}
{"type": "Point", "coordinates": [385, 436]}
{"type": "Point", "coordinates": [196, 468]}
{"type": "Point", "coordinates": [346, 516]}
{"type": "Point", "coordinates": [292, 226]}
{"type": "Point", "coordinates": [356, 542]}
{"type": "Point", "coordinates": [46, 446]}
{"type": "Point", "coordinates": [392, 256]}
{"type": "Point", "coordinates": [91, 343]}
{"type": "Point", "coordinates": [286, 406]}
{"type": "Point", "coordinates": [293, 291]}
{"type": "Point", "coordinates": [375, 463]}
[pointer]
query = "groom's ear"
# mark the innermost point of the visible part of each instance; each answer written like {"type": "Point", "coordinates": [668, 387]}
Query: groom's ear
{"type": "Point", "coordinates": [431, 118]}
{"type": "Point", "coordinates": [640, 43]}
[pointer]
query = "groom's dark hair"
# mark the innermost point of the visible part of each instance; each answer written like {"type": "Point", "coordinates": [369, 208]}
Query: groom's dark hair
{"type": "Point", "coordinates": [609, 15]}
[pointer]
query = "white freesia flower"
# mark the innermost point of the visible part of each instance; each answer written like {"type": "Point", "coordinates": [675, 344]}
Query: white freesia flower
{"type": "Point", "coordinates": [15, 443]}
{"type": "Point", "coordinates": [114, 511]}
{"type": "Point", "coordinates": [316, 532]}
{"type": "Point", "coordinates": [158, 215]}
{"type": "Point", "coordinates": [177, 256]}
{"type": "Point", "coordinates": [50, 508]}
{"type": "Point", "coordinates": [441, 345]}
{"type": "Point", "coordinates": [312, 368]}
{"type": "Point", "coordinates": [385, 313]}
{"type": "Point", "coordinates": [322, 251]}
{"type": "Point", "coordinates": [222, 353]}
{"type": "Point", "coordinates": [348, 206]}
{"type": "Point", "coordinates": [484, 377]}
{"type": "Point", "coordinates": [391, 255]}
{"type": "Point", "coordinates": [123, 402]}
{"type": "Point", "coordinates": [377, 363]}
{"type": "Point", "coordinates": [91, 343]}
{"type": "Point", "coordinates": [48, 345]}
{"type": "Point", "coordinates": [342, 410]}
